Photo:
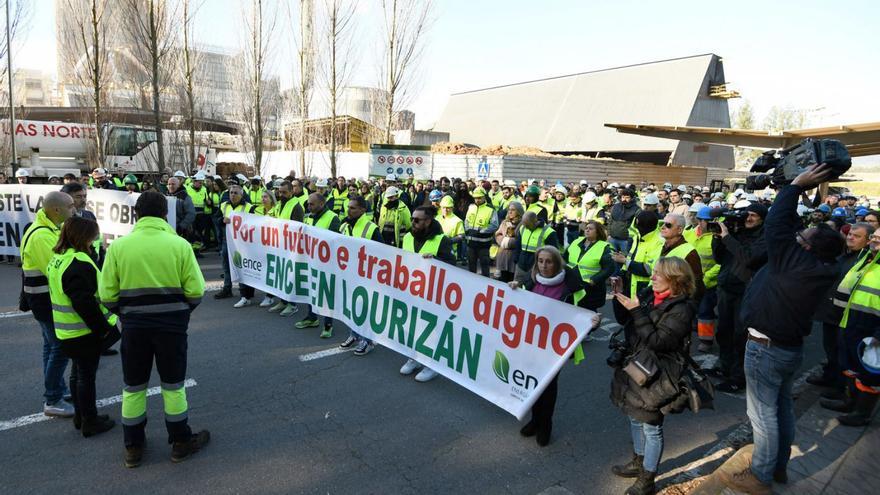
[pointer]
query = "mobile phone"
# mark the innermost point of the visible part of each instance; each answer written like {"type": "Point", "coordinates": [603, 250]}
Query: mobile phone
{"type": "Point", "coordinates": [616, 284]}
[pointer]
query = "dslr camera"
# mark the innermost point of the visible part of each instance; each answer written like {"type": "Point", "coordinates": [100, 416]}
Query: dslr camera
{"type": "Point", "coordinates": [619, 350]}
{"type": "Point", "coordinates": [780, 167]}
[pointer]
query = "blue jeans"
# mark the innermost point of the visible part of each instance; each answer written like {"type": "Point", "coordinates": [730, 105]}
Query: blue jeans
{"type": "Point", "coordinates": [769, 375]}
{"type": "Point", "coordinates": [648, 442]}
{"type": "Point", "coordinates": [54, 365]}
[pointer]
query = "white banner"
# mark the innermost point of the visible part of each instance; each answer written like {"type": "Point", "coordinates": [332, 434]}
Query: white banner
{"type": "Point", "coordinates": [502, 344]}
{"type": "Point", "coordinates": [114, 211]}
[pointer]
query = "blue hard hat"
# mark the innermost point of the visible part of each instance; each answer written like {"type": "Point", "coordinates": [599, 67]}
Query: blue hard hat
{"type": "Point", "coordinates": [705, 213]}
{"type": "Point", "coordinates": [435, 195]}
{"type": "Point", "coordinates": [861, 212]}
{"type": "Point", "coordinates": [824, 208]}
{"type": "Point", "coordinates": [839, 212]}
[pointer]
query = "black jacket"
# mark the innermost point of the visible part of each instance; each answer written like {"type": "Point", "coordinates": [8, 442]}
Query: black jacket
{"type": "Point", "coordinates": [740, 256]}
{"type": "Point", "coordinates": [663, 329]}
{"type": "Point", "coordinates": [444, 253]}
{"type": "Point", "coordinates": [785, 293]}
{"type": "Point", "coordinates": [621, 217]}
{"type": "Point", "coordinates": [827, 311]}
{"type": "Point", "coordinates": [80, 283]}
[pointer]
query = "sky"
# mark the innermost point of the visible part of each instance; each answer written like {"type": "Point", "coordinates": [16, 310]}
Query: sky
{"type": "Point", "coordinates": [817, 55]}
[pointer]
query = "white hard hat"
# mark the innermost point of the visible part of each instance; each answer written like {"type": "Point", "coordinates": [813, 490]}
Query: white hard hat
{"type": "Point", "coordinates": [738, 192]}
{"type": "Point", "coordinates": [22, 172]}
{"type": "Point", "coordinates": [257, 177]}
{"type": "Point", "coordinates": [751, 197]}
{"type": "Point", "coordinates": [179, 173]}
{"type": "Point", "coordinates": [614, 185]}
{"type": "Point", "coordinates": [682, 188]}
{"type": "Point", "coordinates": [391, 192]}
{"type": "Point", "coordinates": [200, 175]}
{"type": "Point", "coordinates": [715, 204]}
{"type": "Point", "coordinates": [560, 188]}
{"type": "Point", "coordinates": [99, 172]}
{"type": "Point", "coordinates": [321, 183]}
{"type": "Point", "coordinates": [217, 177]}
{"type": "Point", "coordinates": [705, 189]}
{"type": "Point", "coordinates": [509, 183]}
{"type": "Point", "coordinates": [686, 196]}
{"type": "Point", "coordinates": [743, 203]}
{"type": "Point", "coordinates": [695, 208]}
{"type": "Point", "coordinates": [241, 177]}
{"type": "Point", "coordinates": [390, 177]}
{"type": "Point", "coordinates": [651, 199]}
{"type": "Point", "coordinates": [589, 197]}
{"type": "Point", "coordinates": [583, 182]}
{"type": "Point", "coordinates": [803, 210]}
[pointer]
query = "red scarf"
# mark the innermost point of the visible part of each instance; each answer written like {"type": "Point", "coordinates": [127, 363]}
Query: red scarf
{"type": "Point", "coordinates": [659, 297]}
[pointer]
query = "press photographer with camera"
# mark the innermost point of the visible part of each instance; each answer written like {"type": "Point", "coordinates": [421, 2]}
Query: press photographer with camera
{"type": "Point", "coordinates": [657, 332]}
{"type": "Point", "coordinates": [777, 311]}
{"type": "Point", "coordinates": [740, 249]}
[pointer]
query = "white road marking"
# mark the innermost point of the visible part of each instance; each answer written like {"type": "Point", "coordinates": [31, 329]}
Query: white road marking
{"type": "Point", "coordinates": [325, 353]}
{"type": "Point", "coordinates": [40, 417]}
{"type": "Point", "coordinates": [14, 314]}
{"type": "Point", "coordinates": [213, 285]}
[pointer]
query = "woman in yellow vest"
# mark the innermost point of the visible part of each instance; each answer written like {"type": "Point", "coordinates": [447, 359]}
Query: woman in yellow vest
{"type": "Point", "coordinates": [452, 226]}
{"type": "Point", "coordinates": [590, 254]}
{"type": "Point", "coordinates": [267, 204]}
{"type": "Point", "coordinates": [82, 324]}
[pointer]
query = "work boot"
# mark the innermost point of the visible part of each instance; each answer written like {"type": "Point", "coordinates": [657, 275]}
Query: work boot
{"type": "Point", "coordinates": [631, 469]}
{"type": "Point", "coordinates": [847, 404]}
{"type": "Point", "coordinates": [863, 410]}
{"type": "Point", "coordinates": [181, 450]}
{"type": "Point", "coordinates": [133, 456]}
{"type": "Point", "coordinates": [744, 481]}
{"type": "Point", "coordinates": [542, 438]}
{"type": "Point", "coordinates": [77, 419]}
{"type": "Point", "coordinates": [644, 485]}
{"type": "Point", "coordinates": [834, 394]}
{"type": "Point", "coordinates": [223, 294]}
{"type": "Point", "coordinates": [96, 425]}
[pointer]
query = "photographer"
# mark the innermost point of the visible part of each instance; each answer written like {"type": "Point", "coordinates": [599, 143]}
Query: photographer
{"type": "Point", "coordinates": [659, 325]}
{"type": "Point", "coordinates": [777, 310]}
{"type": "Point", "coordinates": [740, 253]}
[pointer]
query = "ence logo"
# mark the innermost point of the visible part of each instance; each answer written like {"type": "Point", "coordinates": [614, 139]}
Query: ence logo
{"type": "Point", "coordinates": [236, 259]}
{"type": "Point", "coordinates": [521, 381]}
{"type": "Point", "coordinates": [241, 262]}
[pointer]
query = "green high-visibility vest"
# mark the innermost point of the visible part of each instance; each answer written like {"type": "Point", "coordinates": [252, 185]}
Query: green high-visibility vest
{"type": "Point", "coordinates": [862, 285]}
{"type": "Point", "coordinates": [256, 195]}
{"type": "Point", "coordinates": [215, 202]}
{"type": "Point", "coordinates": [226, 208]}
{"type": "Point", "coordinates": [68, 323]}
{"type": "Point", "coordinates": [363, 228]}
{"type": "Point", "coordinates": [285, 211]}
{"type": "Point", "coordinates": [198, 197]}
{"type": "Point", "coordinates": [703, 245]}
{"type": "Point", "coordinates": [431, 246]}
{"type": "Point", "coordinates": [587, 262]}
{"type": "Point", "coordinates": [681, 251]}
{"type": "Point", "coordinates": [323, 222]}
{"type": "Point", "coordinates": [340, 201]}
{"type": "Point", "coordinates": [532, 239]}
{"type": "Point", "coordinates": [644, 250]}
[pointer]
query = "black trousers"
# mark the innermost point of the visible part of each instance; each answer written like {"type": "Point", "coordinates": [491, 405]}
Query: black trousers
{"type": "Point", "coordinates": [831, 344]}
{"type": "Point", "coordinates": [202, 226]}
{"type": "Point", "coordinates": [139, 349]}
{"type": "Point", "coordinates": [731, 336]}
{"type": "Point", "coordinates": [84, 353]}
{"type": "Point", "coordinates": [542, 409]}
{"type": "Point", "coordinates": [478, 253]}
{"type": "Point", "coordinates": [506, 276]}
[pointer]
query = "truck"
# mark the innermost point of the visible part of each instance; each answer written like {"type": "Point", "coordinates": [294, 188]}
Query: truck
{"type": "Point", "coordinates": [57, 148]}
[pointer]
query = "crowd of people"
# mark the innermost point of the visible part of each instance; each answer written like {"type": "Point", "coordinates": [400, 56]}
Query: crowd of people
{"type": "Point", "coordinates": [741, 271]}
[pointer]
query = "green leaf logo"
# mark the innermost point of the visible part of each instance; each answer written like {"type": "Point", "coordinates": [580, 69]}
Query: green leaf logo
{"type": "Point", "coordinates": [236, 259]}
{"type": "Point", "coordinates": [501, 367]}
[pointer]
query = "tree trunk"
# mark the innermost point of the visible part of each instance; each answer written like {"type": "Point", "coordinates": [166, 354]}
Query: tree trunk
{"type": "Point", "coordinates": [154, 55]}
{"type": "Point", "coordinates": [97, 86]}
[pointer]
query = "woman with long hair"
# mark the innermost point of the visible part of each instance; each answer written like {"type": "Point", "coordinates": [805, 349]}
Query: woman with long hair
{"type": "Point", "coordinates": [590, 254]}
{"type": "Point", "coordinates": [505, 237]}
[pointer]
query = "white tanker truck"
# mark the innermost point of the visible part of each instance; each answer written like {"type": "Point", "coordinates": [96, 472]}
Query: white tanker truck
{"type": "Point", "coordinates": [57, 148]}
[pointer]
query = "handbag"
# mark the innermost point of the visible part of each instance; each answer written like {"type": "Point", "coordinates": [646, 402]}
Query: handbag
{"type": "Point", "coordinates": [697, 386]}
{"type": "Point", "coordinates": [642, 367]}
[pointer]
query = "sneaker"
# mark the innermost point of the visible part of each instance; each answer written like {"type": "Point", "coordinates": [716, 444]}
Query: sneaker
{"type": "Point", "coordinates": [289, 310]}
{"type": "Point", "coordinates": [426, 375]}
{"type": "Point", "coordinates": [60, 409]}
{"type": "Point", "coordinates": [307, 323]}
{"type": "Point", "coordinates": [266, 302]}
{"type": "Point", "coordinates": [363, 348]}
{"type": "Point", "coordinates": [242, 303]}
{"type": "Point", "coordinates": [350, 341]}
{"type": "Point", "coordinates": [409, 366]}
{"type": "Point", "coordinates": [223, 294]}
{"type": "Point", "coordinates": [327, 332]}
{"type": "Point", "coordinates": [133, 456]}
{"type": "Point", "coordinates": [744, 481]}
{"type": "Point", "coordinates": [277, 307]}
{"type": "Point", "coordinates": [181, 450]}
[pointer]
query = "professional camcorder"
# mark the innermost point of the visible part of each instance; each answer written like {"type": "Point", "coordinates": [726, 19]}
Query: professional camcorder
{"type": "Point", "coordinates": [780, 167]}
{"type": "Point", "coordinates": [733, 219]}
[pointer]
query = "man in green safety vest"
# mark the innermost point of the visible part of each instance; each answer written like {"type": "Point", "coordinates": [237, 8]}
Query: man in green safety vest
{"type": "Point", "coordinates": [358, 224]}
{"type": "Point", "coordinates": [701, 239]}
{"type": "Point", "coordinates": [532, 204]}
{"type": "Point", "coordinates": [323, 218]}
{"type": "Point", "coordinates": [339, 195]}
{"type": "Point", "coordinates": [255, 191]}
{"type": "Point", "coordinates": [37, 246]}
{"type": "Point", "coordinates": [480, 225]}
{"type": "Point", "coordinates": [530, 235]}
{"type": "Point", "coordinates": [198, 193]}
{"type": "Point", "coordinates": [237, 204]}
{"type": "Point", "coordinates": [394, 218]}
{"type": "Point", "coordinates": [427, 239]}
{"type": "Point", "coordinates": [154, 296]}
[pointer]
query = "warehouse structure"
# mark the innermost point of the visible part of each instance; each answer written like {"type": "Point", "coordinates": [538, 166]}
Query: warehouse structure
{"type": "Point", "coordinates": [567, 114]}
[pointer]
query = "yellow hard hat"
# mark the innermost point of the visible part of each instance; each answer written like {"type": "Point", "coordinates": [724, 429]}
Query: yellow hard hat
{"type": "Point", "coordinates": [479, 193]}
{"type": "Point", "coordinates": [447, 202]}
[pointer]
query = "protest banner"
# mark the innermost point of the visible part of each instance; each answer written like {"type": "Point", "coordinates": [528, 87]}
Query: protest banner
{"type": "Point", "coordinates": [114, 211]}
{"type": "Point", "coordinates": [505, 345]}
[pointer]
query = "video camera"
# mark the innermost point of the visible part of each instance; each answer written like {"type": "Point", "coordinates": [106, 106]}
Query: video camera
{"type": "Point", "coordinates": [733, 219]}
{"type": "Point", "coordinates": [788, 163]}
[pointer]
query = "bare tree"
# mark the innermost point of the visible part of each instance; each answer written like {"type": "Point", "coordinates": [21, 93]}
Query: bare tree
{"type": "Point", "coordinates": [18, 23]}
{"type": "Point", "coordinates": [88, 31]}
{"type": "Point", "coordinates": [303, 77]}
{"type": "Point", "coordinates": [338, 35]}
{"type": "Point", "coordinates": [190, 59]}
{"type": "Point", "coordinates": [259, 27]}
{"type": "Point", "coordinates": [152, 30]}
{"type": "Point", "coordinates": [405, 24]}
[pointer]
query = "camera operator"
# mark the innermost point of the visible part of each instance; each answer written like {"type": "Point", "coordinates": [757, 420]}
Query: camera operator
{"type": "Point", "coordinates": [777, 310]}
{"type": "Point", "coordinates": [740, 254]}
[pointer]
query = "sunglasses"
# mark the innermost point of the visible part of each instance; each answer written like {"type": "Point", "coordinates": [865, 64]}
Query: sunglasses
{"type": "Point", "coordinates": [669, 225]}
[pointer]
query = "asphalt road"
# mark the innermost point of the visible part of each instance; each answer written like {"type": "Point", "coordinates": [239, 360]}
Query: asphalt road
{"type": "Point", "coordinates": [337, 424]}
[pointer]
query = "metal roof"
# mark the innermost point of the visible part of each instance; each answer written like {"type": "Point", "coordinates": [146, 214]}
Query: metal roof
{"type": "Point", "coordinates": [568, 113]}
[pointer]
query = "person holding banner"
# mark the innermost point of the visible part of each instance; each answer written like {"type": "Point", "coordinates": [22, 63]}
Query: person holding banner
{"type": "Point", "coordinates": [657, 331]}
{"type": "Point", "coordinates": [428, 240]}
{"type": "Point", "coordinates": [358, 224]}
{"type": "Point", "coordinates": [550, 277]}
{"type": "Point", "coordinates": [236, 204]}
{"type": "Point", "coordinates": [324, 218]}
{"type": "Point", "coordinates": [37, 246]}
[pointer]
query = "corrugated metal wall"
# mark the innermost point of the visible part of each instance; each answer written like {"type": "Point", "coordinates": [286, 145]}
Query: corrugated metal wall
{"type": "Point", "coordinates": [572, 169]}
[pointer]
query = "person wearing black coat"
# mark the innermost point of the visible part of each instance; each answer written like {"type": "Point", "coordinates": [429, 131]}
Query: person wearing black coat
{"type": "Point", "coordinates": [658, 330]}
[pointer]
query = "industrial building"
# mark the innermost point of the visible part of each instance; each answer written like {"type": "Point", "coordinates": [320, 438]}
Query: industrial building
{"type": "Point", "coordinates": [567, 114]}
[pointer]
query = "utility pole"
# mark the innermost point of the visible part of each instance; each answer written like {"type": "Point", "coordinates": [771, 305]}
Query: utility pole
{"type": "Point", "coordinates": [11, 104]}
